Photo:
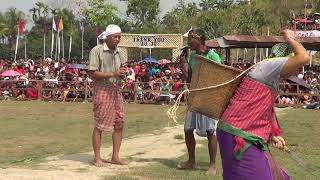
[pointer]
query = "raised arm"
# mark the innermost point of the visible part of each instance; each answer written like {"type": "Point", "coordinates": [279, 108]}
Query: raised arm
{"type": "Point", "coordinates": [300, 57]}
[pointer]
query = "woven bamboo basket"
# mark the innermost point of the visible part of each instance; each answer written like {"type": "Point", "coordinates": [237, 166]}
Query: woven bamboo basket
{"type": "Point", "coordinates": [212, 102]}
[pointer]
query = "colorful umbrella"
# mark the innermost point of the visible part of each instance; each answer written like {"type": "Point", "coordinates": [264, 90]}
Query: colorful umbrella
{"type": "Point", "coordinates": [78, 66]}
{"type": "Point", "coordinates": [164, 61]}
{"type": "Point", "coordinates": [150, 60]}
{"type": "Point", "coordinates": [11, 73]}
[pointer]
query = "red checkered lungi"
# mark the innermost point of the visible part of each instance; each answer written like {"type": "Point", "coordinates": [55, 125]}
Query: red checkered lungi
{"type": "Point", "coordinates": [107, 106]}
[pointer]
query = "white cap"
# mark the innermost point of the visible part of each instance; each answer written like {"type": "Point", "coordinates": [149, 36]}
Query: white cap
{"type": "Point", "coordinates": [111, 29]}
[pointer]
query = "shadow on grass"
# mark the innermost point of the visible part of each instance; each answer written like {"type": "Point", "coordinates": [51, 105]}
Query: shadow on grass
{"type": "Point", "coordinates": [172, 163]}
{"type": "Point", "coordinates": [80, 157]}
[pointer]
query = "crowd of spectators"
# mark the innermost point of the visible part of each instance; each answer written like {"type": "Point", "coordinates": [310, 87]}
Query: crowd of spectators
{"type": "Point", "coordinates": [49, 80]}
{"type": "Point", "coordinates": [55, 79]}
{"type": "Point", "coordinates": [145, 82]}
{"type": "Point", "coordinates": [306, 83]}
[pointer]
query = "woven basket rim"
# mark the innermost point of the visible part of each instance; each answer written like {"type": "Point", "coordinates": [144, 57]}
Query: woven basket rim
{"type": "Point", "coordinates": [222, 65]}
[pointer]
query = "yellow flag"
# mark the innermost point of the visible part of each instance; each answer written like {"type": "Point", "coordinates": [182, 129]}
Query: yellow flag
{"type": "Point", "coordinates": [60, 25]}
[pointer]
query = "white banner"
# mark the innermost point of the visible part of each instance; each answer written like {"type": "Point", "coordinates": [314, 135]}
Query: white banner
{"type": "Point", "coordinates": [313, 33]}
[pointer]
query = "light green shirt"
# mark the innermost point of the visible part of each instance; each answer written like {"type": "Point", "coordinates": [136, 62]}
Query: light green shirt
{"type": "Point", "coordinates": [211, 55]}
{"type": "Point", "coordinates": [103, 59]}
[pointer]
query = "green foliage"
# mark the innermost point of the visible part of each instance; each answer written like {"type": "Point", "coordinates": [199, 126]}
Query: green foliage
{"type": "Point", "coordinates": [6, 52]}
{"type": "Point", "coordinates": [216, 4]}
{"type": "Point", "coordinates": [249, 21]}
{"type": "Point", "coordinates": [9, 25]}
{"type": "Point", "coordinates": [181, 18]}
{"type": "Point", "coordinates": [214, 23]}
{"type": "Point", "coordinates": [100, 13]}
{"type": "Point", "coordinates": [143, 11]}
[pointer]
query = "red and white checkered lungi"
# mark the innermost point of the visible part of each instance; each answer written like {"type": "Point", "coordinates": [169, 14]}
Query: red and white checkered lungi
{"type": "Point", "coordinates": [107, 106]}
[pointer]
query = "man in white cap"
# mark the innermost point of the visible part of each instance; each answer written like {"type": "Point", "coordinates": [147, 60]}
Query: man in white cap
{"type": "Point", "coordinates": [105, 70]}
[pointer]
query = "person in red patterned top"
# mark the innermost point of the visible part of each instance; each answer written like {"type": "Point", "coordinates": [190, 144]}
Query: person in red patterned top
{"type": "Point", "coordinates": [249, 123]}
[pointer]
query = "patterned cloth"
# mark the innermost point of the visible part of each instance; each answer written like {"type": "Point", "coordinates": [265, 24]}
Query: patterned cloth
{"type": "Point", "coordinates": [246, 126]}
{"type": "Point", "coordinates": [107, 106]}
{"type": "Point", "coordinates": [251, 109]}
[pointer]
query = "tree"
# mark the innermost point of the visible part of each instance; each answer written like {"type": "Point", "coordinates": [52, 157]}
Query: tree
{"type": "Point", "coordinates": [34, 14]}
{"type": "Point", "coordinates": [216, 23]}
{"type": "Point", "coordinates": [181, 18]}
{"type": "Point", "coordinates": [277, 12]}
{"type": "Point", "coordinates": [98, 13]}
{"type": "Point", "coordinates": [39, 12]}
{"type": "Point", "coordinates": [143, 11]}
{"type": "Point", "coordinates": [10, 19]}
{"type": "Point", "coordinates": [3, 27]}
{"type": "Point", "coordinates": [207, 5]}
{"type": "Point", "coordinates": [249, 21]}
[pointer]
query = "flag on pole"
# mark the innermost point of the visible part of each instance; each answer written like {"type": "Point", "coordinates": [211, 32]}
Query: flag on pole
{"type": "Point", "coordinates": [81, 26]}
{"type": "Point", "coordinates": [45, 32]}
{"type": "Point", "coordinates": [45, 28]}
{"type": "Point", "coordinates": [60, 25]}
{"type": "Point", "coordinates": [20, 25]}
{"type": "Point", "coordinates": [61, 29]}
{"type": "Point", "coordinates": [70, 45]}
{"type": "Point", "coordinates": [54, 25]}
{"type": "Point", "coordinates": [25, 46]}
{"type": "Point", "coordinates": [20, 30]}
{"type": "Point", "coordinates": [305, 3]}
{"type": "Point", "coordinates": [98, 32]}
{"type": "Point", "coordinates": [82, 31]}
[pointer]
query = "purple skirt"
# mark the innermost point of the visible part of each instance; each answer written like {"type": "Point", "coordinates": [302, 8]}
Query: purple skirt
{"type": "Point", "coordinates": [254, 165]}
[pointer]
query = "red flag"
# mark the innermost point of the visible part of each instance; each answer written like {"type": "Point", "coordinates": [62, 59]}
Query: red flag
{"type": "Point", "coordinates": [20, 25]}
{"type": "Point", "coordinates": [45, 28]}
{"type": "Point", "coordinates": [98, 31]}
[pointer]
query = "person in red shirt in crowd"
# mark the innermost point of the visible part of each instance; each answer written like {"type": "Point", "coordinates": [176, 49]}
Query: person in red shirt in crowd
{"type": "Point", "coordinates": [32, 92]}
{"type": "Point", "coordinates": [136, 68]}
{"type": "Point", "coordinates": [172, 70]}
{"type": "Point", "coordinates": [20, 69]}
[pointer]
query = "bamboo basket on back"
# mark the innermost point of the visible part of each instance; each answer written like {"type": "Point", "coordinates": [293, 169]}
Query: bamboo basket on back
{"type": "Point", "coordinates": [212, 101]}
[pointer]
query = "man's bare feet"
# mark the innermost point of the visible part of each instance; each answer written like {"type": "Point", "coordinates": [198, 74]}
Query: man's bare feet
{"type": "Point", "coordinates": [187, 165]}
{"type": "Point", "coordinates": [99, 163]}
{"type": "Point", "coordinates": [211, 170]}
{"type": "Point", "coordinates": [119, 161]}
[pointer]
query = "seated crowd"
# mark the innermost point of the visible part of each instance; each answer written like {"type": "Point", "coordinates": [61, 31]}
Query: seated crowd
{"type": "Point", "coordinates": [149, 82]}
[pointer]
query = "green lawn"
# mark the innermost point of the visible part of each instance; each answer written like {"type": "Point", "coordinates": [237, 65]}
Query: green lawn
{"type": "Point", "coordinates": [33, 130]}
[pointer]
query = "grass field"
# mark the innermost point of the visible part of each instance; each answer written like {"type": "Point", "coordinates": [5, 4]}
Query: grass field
{"type": "Point", "coordinates": [33, 130]}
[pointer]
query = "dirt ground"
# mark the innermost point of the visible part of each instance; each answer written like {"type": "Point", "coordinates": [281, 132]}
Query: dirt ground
{"type": "Point", "coordinates": [142, 149]}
